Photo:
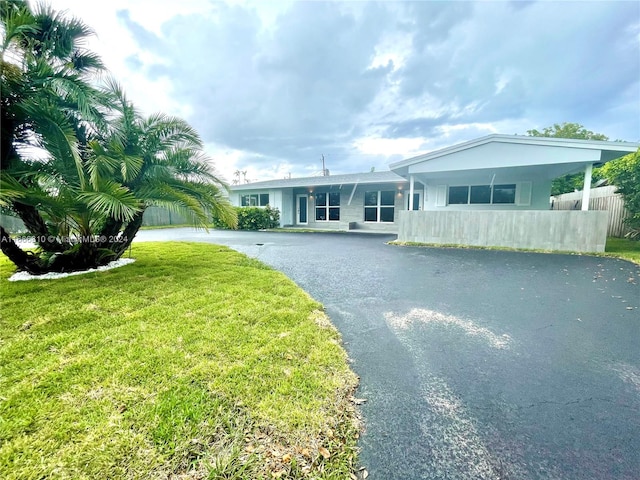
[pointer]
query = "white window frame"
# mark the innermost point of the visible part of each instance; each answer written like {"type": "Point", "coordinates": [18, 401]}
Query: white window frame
{"type": "Point", "coordinates": [326, 207]}
{"type": "Point", "coordinates": [516, 199]}
{"type": "Point", "coordinates": [378, 206]}
{"type": "Point", "coordinates": [258, 199]}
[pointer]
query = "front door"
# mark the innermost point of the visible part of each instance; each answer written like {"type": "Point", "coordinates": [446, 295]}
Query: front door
{"type": "Point", "coordinates": [417, 200]}
{"type": "Point", "coordinates": [301, 209]}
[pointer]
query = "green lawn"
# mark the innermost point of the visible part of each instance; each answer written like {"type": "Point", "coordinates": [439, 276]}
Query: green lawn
{"type": "Point", "coordinates": [623, 248]}
{"type": "Point", "coordinates": [193, 362]}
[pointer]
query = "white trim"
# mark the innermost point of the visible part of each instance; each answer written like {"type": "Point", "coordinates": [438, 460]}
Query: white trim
{"type": "Point", "coordinates": [586, 188]}
{"type": "Point", "coordinates": [411, 187]}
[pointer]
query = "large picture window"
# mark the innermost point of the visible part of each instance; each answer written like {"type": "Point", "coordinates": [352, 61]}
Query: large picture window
{"type": "Point", "coordinates": [379, 206]}
{"type": "Point", "coordinates": [482, 194]}
{"type": "Point", "coordinates": [327, 206]}
{"type": "Point", "coordinates": [255, 200]}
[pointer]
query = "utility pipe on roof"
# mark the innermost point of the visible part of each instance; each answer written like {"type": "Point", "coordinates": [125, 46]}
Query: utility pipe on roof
{"type": "Point", "coordinates": [352, 193]}
{"type": "Point", "coordinates": [586, 189]}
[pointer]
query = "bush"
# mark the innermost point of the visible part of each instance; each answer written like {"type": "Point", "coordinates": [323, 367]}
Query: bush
{"type": "Point", "coordinates": [254, 218]}
{"type": "Point", "coordinates": [624, 173]}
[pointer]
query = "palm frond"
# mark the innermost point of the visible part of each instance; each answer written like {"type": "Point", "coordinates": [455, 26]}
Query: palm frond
{"type": "Point", "coordinates": [10, 190]}
{"type": "Point", "coordinates": [17, 22]}
{"type": "Point", "coordinates": [112, 200]}
{"type": "Point", "coordinates": [56, 132]}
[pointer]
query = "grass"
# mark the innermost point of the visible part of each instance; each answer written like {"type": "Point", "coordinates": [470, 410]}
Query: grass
{"type": "Point", "coordinates": [623, 248]}
{"type": "Point", "coordinates": [615, 247]}
{"type": "Point", "coordinates": [163, 227]}
{"type": "Point", "coordinates": [193, 362]}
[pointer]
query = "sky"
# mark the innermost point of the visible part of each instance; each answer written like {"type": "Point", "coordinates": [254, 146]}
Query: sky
{"type": "Point", "coordinates": [274, 86]}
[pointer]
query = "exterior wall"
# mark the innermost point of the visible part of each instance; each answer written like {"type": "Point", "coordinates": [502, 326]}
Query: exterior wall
{"type": "Point", "coordinates": [352, 213]}
{"type": "Point", "coordinates": [546, 230]}
{"type": "Point", "coordinates": [278, 198]}
{"type": "Point", "coordinates": [287, 211]}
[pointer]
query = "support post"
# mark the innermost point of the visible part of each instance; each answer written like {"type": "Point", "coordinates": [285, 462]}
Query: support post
{"type": "Point", "coordinates": [411, 185]}
{"type": "Point", "coordinates": [586, 189]}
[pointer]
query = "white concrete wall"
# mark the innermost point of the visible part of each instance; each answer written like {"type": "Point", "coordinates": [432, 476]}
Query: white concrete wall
{"type": "Point", "coordinates": [575, 231]}
{"type": "Point", "coordinates": [287, 211]}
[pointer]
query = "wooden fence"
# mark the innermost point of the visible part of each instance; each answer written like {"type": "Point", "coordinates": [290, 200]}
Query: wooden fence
{"type": "Point", "coordinates": [153, 216]}
{"type": "Point", "coordinates": [601, 198]}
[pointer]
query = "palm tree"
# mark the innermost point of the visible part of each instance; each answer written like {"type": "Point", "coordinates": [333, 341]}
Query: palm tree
{"type": "Point", "coordinates": [45, 90]}
{"type": "Point", "coordinates": [104, 163]}
{"type": "Point", "coordinates": [155, 161]}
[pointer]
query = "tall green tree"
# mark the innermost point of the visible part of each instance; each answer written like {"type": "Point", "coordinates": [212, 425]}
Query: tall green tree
{"type": "Point", "coordinates": [624, 173]}
{"type": "Point", "coordinates": [571, 182]}
{"type": "Point", "coordinates": [103, 163]}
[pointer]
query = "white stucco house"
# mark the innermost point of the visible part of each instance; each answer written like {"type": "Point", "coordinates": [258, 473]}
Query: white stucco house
{"type": "Point", "coordinates": [491, 191]}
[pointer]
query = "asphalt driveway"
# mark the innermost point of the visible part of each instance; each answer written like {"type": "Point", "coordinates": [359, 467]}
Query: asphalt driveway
{"type": "Point", "coordinates": [475, 364]}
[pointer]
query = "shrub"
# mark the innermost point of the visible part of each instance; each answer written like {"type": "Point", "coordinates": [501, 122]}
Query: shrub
{"type": "Point", "coordinates": [254, 218]}
{"type": "Point", "coordinates": [624, 173]}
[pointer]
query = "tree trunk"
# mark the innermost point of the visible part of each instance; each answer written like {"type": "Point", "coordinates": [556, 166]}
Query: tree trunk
{"type": "Point", "coordinates": [110, 230]}
{"type": "Point", "coordinates": [126, 237]}
{"type": "Point", "coordinates": [36, 225]}
{"type": "Point", "coordinates": [24, 261]}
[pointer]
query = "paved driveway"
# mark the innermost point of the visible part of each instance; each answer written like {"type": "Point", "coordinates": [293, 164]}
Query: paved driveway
{"type": "Point", "coordinates": [476, 364]}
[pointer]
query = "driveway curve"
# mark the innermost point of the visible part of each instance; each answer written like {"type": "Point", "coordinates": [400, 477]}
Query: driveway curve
{"type": "Point", "coordinates": [475, 364]}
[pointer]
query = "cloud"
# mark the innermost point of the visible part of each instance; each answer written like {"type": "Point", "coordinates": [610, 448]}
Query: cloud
{"type": "Point", "coordinates": [293, 90]}
{"type": "Point", "coordinates": [272, 86]}
{"type": "Point", "coordinates": [552, 60]}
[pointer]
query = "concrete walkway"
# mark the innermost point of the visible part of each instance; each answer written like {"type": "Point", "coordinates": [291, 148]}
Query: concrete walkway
{"type": "Point", "coordinates": [475, 364]}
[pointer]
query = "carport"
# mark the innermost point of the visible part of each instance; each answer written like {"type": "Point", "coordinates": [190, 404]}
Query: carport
{"type": "Point", "coordinates": [494, 191]}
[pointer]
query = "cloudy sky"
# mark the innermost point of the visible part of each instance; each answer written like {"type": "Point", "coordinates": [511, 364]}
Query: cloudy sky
{"type": "Point", "coordinates": [273, 85]}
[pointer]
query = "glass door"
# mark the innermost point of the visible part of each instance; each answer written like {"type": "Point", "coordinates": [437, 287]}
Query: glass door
{"type": "Point", "coordinates": [301, 207]}
{"type": "Point", "coordinates": [417, 200]}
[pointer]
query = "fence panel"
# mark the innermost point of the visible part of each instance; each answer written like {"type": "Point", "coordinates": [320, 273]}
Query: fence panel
{"type": "Point", "coordinates": [605, 200]}
{"type": "Point", "coordinates": [157, 216]}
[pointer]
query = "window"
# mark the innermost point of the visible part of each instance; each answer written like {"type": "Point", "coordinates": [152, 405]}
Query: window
{"type": "Point", "coordinates": [327, 206]}
{"type": "Point", "coordinates": [379, 206]}
{"type": "Point", "coordinates": [255, 200]}
{"type": "Point", "coordinates": [504, 193]}
{"type": "Point", "coordinates": [482, 194]}
{"type": "Point", "coordinates": [458, 195]}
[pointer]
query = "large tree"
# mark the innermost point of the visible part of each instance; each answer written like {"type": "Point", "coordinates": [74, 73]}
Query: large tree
{"type": "Point", "coordinates": [624, 173]}
{"type": "Point", "coordinates": [571, 182]}
{"type": "Point", "coordinates": [79, 164]}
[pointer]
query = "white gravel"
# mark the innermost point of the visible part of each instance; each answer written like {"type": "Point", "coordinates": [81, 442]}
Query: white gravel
{"type": "Point", "coordinates": [22, 276]}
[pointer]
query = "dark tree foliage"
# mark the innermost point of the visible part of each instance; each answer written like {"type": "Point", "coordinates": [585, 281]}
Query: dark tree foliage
{"type": "Point", "coordinates": [572, 182]}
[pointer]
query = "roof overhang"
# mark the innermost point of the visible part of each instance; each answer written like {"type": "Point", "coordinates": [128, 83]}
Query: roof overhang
{"type": "Point", "coordinates": [368, 178]}
{"type": "Point", "coordinates": [557, 156]}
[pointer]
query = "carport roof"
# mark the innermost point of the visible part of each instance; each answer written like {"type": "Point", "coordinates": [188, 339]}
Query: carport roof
{"type": "Point", "coordinates": [608, 150]}
{"type": "Point", "coordinates": [346, 179]}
